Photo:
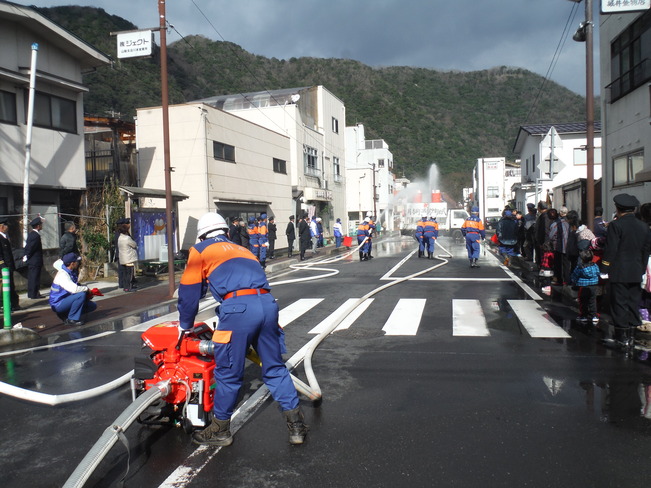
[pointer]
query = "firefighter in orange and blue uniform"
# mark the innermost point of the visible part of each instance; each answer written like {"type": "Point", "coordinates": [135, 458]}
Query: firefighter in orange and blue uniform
{"type": "Point", "coordinates": [263, 239]}
{"type": "Point", "coordinates": [254, 245]}
{"type": "Point", "coordinates": [473, 230]}
{"type": "Point", "coordinates": [363, 232]}
{"type": "Point", "coordinates": [420, 231]}
{"type": "Point", "coordinates": [248, 316]}
{"type": "Point", "coordinates": [430, 234]}
{"type": "Point", "coordinates": [371, 231]}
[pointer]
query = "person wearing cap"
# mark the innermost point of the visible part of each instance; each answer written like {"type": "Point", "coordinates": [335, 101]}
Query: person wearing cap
{"type": "Point", "coordinates": [234, 231]}
{"type": "Point", "coordinates": [418, 235]}
{"type": "Point", "coordinates": [624, 261]}
{"type": "Point", "coordinates": [254, 242]}
{"type": "Point", "coordinates": [7, 261]}
{"type": "Point", "coordinates": [248, 316]}
{"type": "Point", "coordinates": [371, 234]}
{"type": "Point", "coordinates": [430, 234]}
{"type": "Point", "coordinates": [68, 241]}
{"type": "Point", "coordinates": [599, 225]}
{"type": "Point", "coordinates": [68, 298]}
{"type": "Point", "coordinates": [338, 231]}
{"type": "Point", "coordinates": [473, 231]}
{"type": "Point", "coordinates": [290, 232]}
{"type": "Point", "coordinates": [363, 231]}
{"type": "Point", "coordinates": [304, 235]}
{"type": "Point", "coordinates": [34, 259]}
{"type": "Point", "coordinates": [507, 234]}
{"type": "Point", "coordinates": [273, 230]}
{"type": "Point", "coordinates": [263, 239]}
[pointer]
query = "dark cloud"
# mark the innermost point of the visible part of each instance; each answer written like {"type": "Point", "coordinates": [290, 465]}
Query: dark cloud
{"type": "Point", "coordinates": [446, 35]}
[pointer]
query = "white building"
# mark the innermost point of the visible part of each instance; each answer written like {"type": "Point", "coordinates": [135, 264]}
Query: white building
{"type": "Point", "coordinates": [369, 177]}
{"type": "Point", "coordinates": [314, 120]}
{"type": "Point", "coordinates": [625, 53]}
{"type": "Point", "coordinates": [220, 161]}
{"type": "Point", "coordinates": [57, 162]}
{"type": "Point", "coordinates": [564, 183]}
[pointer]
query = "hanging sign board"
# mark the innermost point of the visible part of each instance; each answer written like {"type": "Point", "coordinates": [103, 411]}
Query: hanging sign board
{"type": "Point", "coordinates": [615, 6]}
{"type": "Point", "coordinates": [135, 44]}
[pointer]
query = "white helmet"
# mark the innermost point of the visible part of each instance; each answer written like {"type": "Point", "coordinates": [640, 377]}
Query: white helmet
{"type": "Point", "coordinates": [210, 223]}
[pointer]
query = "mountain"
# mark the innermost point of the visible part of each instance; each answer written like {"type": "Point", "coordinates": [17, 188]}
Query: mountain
{"type": "Point", "coordinates": [450, 118]}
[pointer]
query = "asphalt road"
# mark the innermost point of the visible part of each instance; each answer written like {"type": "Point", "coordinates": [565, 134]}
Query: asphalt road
{"type": "Point", "coordinates": [437, 382]}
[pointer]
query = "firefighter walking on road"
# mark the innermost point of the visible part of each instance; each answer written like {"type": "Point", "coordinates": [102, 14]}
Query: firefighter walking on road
{"type": "Point", "coordinates": [419, 235]}
{"type": "Point", "coordinates": [263, 240]}
{"type": "Point", "coordinates": [254, 243]}
{"type": "Point", "coordinates": [430, 234]}
{"type": "Point", "coordinates": [473, 230]}
{"type": "Point", "coordinates": [363, 232]}
{"type": "Point", "coordinates": [248, 316]}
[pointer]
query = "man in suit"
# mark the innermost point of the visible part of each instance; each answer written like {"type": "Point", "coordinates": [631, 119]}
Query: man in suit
{"type": "Point", "coordinates": [7, 260]}
{"type": "Point", "coordinates": [290, 232]}
{"type": "Point", "coordinates": [304, 235]}
{"type": "Point", "coordinates": [625, 258]}
{"type": "Point", "coordinates": [34, 258]}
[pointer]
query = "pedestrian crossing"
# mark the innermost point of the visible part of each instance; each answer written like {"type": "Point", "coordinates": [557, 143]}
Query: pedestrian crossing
{"type": "Point", "coordinates": [405, 318]}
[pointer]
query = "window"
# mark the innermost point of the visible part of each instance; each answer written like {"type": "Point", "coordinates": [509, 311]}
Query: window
{"type": "Point", "coordinates": [335, 125]}
{"type": "Point", "coordinates": [626, 167]}
{"type": "Point", "coordinates": [52, 112]}
{"type": "Point", "coordinates": [310, 161]}
{"type": "Point", "coordinates": [630, 58]}
{"type": "Point", "coordinates": [280, 166]}
{"type": "Point", "coordinates": [336, 169]}
{"type": "Point", "coordinates": [223, 152]}
{"type": "Point", "coordinates": [492, 192]}
{"type": "Point", "coordinates": [380, 163]}
{"type": "Point", "coordinates": [8, 107]}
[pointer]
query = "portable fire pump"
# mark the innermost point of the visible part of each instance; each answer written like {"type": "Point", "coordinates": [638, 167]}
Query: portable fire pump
{"type": "Point", "coordinates": [187, 362]}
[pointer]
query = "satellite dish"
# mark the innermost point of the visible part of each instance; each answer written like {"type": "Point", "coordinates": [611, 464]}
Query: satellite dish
{"type": "Point", "coordinates": [295, 97]}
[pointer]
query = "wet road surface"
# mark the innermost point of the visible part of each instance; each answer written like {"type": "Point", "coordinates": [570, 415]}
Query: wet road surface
{"type": "Point", "coordinates": [417, 407]}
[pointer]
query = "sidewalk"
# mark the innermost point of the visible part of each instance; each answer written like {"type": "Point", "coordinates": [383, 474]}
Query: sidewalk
{"type": "Point", "coordinates": [35, 320]}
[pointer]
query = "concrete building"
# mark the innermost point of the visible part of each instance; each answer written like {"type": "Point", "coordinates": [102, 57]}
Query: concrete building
{"type": "Point", "coordinates": [314, 121]}
{"type": "Point", "coordinates": [625, 61]}
{"type": "Point", "coordinates": [220, 161]}
{"type": "Point", "coordinates": [56, 171]}
{"type": "Point", "coordinates": [370, 179]}
{"type": "Point", "coordinates": [561, 180]}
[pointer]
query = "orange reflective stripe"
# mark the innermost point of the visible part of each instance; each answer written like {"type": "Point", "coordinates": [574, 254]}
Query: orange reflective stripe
{"type": "Point", "coordinates": [222, 336]}
{"type": "Point", "coordinates": [200, 265]}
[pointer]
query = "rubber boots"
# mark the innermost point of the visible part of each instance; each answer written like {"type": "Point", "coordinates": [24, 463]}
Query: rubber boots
{"type": "Point", "coordinates": [218, 433]}
{"type": "Point", "coordinates": [296, 426]}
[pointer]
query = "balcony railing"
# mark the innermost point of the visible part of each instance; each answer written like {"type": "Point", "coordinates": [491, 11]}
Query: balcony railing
{"type": "Point", "coordinates": [629, 81]}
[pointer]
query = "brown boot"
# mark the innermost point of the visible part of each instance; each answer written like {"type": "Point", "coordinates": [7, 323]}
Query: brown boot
{"type": "Point", "coordinates": [218, 433]}
{"type": "Point", "coordinates": [297, 429]}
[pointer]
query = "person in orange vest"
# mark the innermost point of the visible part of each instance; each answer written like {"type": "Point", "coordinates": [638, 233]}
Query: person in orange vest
{"type": "Point", "coordinates": [473, 230]}
{"type": "Point", "coordinates": [420, 230]}
{"type": "Point", "coordinates": [254, 245]}
{"type": "Point", "coordinates": [363, 230]}
{"type": "Point", "coordinates": [430, 234]}
{"type": "Point", "coordinates": [263, 239]}
{"type": "Point", "coordinates": [371, 231]}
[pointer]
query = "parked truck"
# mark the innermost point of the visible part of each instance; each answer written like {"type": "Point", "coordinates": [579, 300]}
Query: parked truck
{"type": "Point", "coordinates": [450, 220]}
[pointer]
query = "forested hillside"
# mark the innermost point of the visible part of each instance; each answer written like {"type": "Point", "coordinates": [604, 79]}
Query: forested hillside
{"type": "Point", "coordinates": [426, 116]}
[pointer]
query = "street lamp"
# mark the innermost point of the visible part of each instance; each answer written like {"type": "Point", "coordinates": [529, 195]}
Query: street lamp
{"type": "Point", "coordinates": [584, 34]}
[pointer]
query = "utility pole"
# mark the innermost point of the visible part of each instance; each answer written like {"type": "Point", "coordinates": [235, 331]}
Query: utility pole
{"type": "Point", "coordinates": [166, 147]}
{"type": "Point", "coordinates": [589, 112]}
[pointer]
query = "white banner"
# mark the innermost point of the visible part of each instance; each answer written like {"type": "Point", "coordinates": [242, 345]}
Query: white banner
{"type": "Point", "coordinates": [613, 6]}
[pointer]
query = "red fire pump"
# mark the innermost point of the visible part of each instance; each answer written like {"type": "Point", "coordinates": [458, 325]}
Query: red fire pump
{"type": "Point", "coordinates": [187, 362]}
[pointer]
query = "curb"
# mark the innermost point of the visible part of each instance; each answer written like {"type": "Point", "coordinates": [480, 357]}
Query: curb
{"type": "Point", "coordinates": [17, 335]}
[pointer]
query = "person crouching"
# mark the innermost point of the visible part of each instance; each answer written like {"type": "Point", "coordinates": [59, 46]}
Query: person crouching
{"type": "Point", "coordinates": [68, 299]}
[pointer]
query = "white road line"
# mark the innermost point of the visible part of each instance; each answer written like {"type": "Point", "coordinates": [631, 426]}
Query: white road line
{"type": "Point", "coordinates": [536, 320]}
{"type": "Point", "coordinates": [348, 321]}
{"type": "Point", "coordinates": [405, 318]}
{"type": "Point", "coordinates": [290, 313]}
{"type": "Point", "coordinates": [468, 319]}
{"type": "Point", "coordinates": [522, 284]}
{"type": "Point", "coordinates": [450, 279]}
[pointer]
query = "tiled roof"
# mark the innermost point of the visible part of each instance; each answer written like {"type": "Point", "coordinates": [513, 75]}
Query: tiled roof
{"type": "Point", "coordinates": [569, 128]}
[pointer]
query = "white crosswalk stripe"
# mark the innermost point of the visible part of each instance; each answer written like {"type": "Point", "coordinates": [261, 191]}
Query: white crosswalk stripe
{"type": "Point", "coordinates": [405, 318]}
{"type": "Point", "coordinates": [468, 318]}
{"type": "Point", "coordinates": [348, 321]}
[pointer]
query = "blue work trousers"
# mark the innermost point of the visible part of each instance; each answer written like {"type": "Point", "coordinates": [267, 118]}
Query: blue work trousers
{"type": "Point", "coordinates": [472, 245]}
{"type": "Point", "coordinates": [253, 320]}
{"type": "Point", "coordinates": [429, 242]}
{"type": "Point", "coordinates": [74, 306]}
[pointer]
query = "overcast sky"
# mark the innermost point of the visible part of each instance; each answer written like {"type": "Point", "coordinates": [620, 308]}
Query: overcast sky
{"type": "Point", "coordinates": [464, 35]}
